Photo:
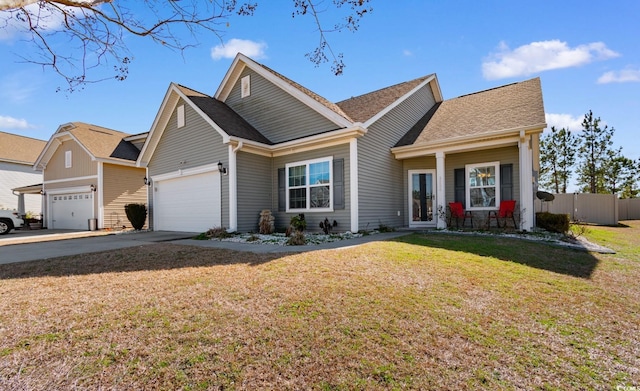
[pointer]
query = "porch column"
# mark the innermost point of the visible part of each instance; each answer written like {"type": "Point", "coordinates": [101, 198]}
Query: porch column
{"type": "Point", "coordinates": [441, 222]}
{"type": "Point", "coordinates": [353, 188]}
{"type": "Point", "coordinates": [233, 189]}
{"type": "Point", "coordinates": [526, 182]}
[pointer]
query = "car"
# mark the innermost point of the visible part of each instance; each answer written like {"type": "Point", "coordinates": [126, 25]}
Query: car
{"type": "Point", "coordinates": [9, 220]}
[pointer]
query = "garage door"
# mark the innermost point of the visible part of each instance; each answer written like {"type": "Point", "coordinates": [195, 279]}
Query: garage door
{"type": "Point", "coordinates": [71, 211]}
{"type": "Point", "coordinates": [187, 204]}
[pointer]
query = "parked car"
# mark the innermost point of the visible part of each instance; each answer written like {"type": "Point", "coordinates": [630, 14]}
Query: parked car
{"type": "Point", "coordinates": [9, 220]}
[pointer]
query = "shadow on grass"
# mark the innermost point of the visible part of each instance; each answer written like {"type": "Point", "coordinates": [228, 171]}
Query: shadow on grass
{"type": "Point", "coordinates": [150, 257]}
{"type": "Point", "coordinates": [538, 255]}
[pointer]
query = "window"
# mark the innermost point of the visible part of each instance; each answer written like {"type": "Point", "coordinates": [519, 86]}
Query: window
{"type": "Point", "coordinates": [309, 185]}
{"type": "Point", "coordinates": [67, 159]}
{"type": "Point", "coordinates": [180, 114]}
{"type": "Point", "coordinates": [483, 190]}
{"type": "Point", "coordinates": [245, 86]}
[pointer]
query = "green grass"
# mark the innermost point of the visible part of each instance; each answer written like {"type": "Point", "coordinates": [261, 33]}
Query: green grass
{"type": "Point", "coordinates": [425, 311]}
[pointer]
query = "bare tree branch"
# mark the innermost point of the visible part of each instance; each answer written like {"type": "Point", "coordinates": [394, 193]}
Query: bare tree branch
{"type": "Point", "coordinates": [78, 38]}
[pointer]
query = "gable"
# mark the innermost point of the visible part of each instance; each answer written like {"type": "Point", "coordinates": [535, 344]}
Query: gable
{"type": "Point", "coordinates": [82, 163]}
{"type": "Point", "coordinates": [276, 113]}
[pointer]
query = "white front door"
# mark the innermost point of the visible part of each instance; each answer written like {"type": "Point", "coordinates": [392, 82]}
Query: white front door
{"type": "Point", "coordinates": [422, 198]}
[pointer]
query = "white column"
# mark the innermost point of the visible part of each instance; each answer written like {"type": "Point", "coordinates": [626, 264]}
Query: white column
{"type": "Point", "coordinates": [100, 194]}
{"type": "Point", "coordinates": [233, 190]}
{"type": "Point", "coordinates": [526, 183]}
{"type": "Point", "coordinates": [353, 180]}
{"type": "Point", "coordinates": [440, 193]}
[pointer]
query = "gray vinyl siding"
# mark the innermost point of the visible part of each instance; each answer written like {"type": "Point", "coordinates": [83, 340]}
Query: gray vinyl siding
{"type": "Point", "coordinates": [342, 216]}
{"type": "Point", "coordinates": [196, 144]}
{"type": "Point", "coordinates": [254, 189]}
{"type": "Point", "coordinates": [274, 112]}
{"type": "Point", "coordinates": [381, 177]}
{"type": "Point", "coordinates": [506, 155]}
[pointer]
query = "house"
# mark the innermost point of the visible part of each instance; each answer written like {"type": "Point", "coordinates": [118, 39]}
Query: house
{"type": "Point", "coordinates": [89, 172]}
{"type": "Point", "coordinates": [395, 156]}
{"type": "Point", "coordinates": [17, 155]}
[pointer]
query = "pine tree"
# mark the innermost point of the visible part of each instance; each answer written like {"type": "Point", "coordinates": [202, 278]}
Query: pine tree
{"type": "Point", "coordinates": [594, 151]}
{"type": "Point", "coordinates": [557, 158]}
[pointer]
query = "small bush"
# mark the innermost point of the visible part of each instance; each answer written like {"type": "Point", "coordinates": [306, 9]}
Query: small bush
{"type": "Point", "coordinates": [385, 228]}
{"type": "Point", "coordinates": [553, 222]}
{"type": "Point", "coordinates": [297, 239]}
{"type": "Point", "coordinates": [137, 215]}
{"type": "Point", "coordinates": [218, 233]}
{"type": "Point", "coordinates": [298, 222]}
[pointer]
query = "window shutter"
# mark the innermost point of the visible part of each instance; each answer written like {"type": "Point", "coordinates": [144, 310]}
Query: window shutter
{"type": "Point", "coordinates": [282, 190]}
{"type": "Point", "coordinates": [338, 184]}
{"type": "Point", "coordinates": [506, 182]}
{"type": "Point", "coordinates": [459, 185]}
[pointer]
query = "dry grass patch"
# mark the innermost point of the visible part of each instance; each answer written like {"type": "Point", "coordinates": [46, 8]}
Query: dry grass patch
{"type": "Point", "coordinates": [424, 312]}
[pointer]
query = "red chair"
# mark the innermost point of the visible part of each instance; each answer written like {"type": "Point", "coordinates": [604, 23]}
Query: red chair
{"type": "Point", "coordinates": [507, 208]}
{"type": "Point", "coordinates": [456, 211]}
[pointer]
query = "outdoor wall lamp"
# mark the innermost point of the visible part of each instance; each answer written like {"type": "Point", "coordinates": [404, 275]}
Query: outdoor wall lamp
{"type": "Point", "coordinates": [92, 187]}
{"type": "Point", "coordinates": [223, 170]}
{"type": "Point", "coordinates": [147, 181]}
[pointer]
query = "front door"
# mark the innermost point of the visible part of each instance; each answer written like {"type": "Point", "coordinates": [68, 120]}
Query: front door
{"type": "Point", "coordinates": [422, 198]}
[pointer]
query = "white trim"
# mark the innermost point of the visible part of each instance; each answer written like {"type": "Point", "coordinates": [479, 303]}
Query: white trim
{"type": "Point", "coordinates": [76, 189]}
{"type": "Point", "coordinates": [78, 178]}
{"type": "Point", "coordinates": [395, 103]}
{"type": "Point", "coordinates": [186, 172]}
{"type": "Point", "coordinates": [308, 186]}
{"type": "Point", "coordinates": [466, 143]}
{"type": "Point", "coordinates": [496, 185]}
{"type": "Point", "coordinates": [354, 208]}
{"type": "Point", "coordinates": [100, 194]}
{"type": "Point", "coordinates": [526, 183]}
{"type": "Point", "coordinates": [434, 211]}
{"type": "Point", "coordinates": [440, 189]}
{"type": "Point", "coordinates": [233, 187]}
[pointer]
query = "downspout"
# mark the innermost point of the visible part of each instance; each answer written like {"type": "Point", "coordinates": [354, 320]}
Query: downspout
{"type": "Point", "coordinates": [233, 187]}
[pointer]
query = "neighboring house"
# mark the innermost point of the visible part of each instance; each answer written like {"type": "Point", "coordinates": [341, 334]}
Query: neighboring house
{"type": "Point", "coordinates": [90, 173]}
{"type": "Point", "coordinates": [395, 156]}
{"type": "Point", "coordinates": [17, 155]}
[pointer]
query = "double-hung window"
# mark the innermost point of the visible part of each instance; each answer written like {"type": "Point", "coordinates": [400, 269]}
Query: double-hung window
{"type": "Point", "coordinates": [310, 185]}
{"type": "Point", "coordinates": [483, 181]}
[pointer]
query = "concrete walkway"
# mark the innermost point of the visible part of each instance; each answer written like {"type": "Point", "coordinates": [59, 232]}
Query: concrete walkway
{"type": "Point", "coordinates": [45, 244]}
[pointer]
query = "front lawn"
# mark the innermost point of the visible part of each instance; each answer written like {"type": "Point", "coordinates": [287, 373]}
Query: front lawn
{"type": "Point", "coordinates": [426, 311]}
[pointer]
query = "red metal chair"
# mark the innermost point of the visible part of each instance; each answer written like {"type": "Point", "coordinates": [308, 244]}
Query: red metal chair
{"type": "Point", "coordinates": [456, 211]}
{"type": "Point", "coordinates": [507, 208]}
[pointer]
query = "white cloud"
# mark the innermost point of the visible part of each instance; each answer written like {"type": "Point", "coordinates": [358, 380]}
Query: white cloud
{"type": "Point", "coordinates": [566, 121]}
{"type": "Point", "coordinates": [624, 76]}
{"type": "Point", "coordinates": [13, 123]}
{"type": "Point", "coordinates": [234, 46]}
{"type": "Point", "coordinates": [407, 52]}
{"type": "Point", "coordinates": [541, 56]}
{"type": "Point", "coordinates": [45, 18]}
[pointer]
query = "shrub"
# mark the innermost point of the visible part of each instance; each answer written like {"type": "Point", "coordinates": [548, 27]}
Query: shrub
{"type": "Point", "coordinates": [218, 233]}
{"type": "Point", "coordinates": [297, 239]}
{"type": "Point", "coordinates": [327, 226]}
{"type": "Point", "coordinates": [137, 215]}
{"type": "Point", "coordinates": [298, 222]}
{"type": "Point", "coordinates": [552, 222]}
{"type": "Point", "coordinates": [266, 222]}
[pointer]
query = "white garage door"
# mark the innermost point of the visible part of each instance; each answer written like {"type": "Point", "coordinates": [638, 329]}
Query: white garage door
{"type": "Point", "coordinates": [71, 211]}
{"type": "Point", "coordinates": [187, 204]}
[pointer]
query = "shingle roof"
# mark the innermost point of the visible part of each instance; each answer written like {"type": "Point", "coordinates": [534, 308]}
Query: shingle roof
{"type": "Point", "coordinates": [230, 121]}
{"type": "Point", "coordinates": [20, 149]}
{"type": "Point", "coordinates": [507, 107]}
{"type": "Point", "coordinates": [365, 106]}
{"type": "Point", "coordinates": [100, 142]}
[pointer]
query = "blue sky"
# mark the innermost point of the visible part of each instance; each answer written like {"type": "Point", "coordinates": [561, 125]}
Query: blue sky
{"type": "Point", "coordinates": [586, 54]}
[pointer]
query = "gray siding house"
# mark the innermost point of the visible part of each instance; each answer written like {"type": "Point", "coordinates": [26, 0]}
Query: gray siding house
{"type": "Point", "coordinates": [396, 156]}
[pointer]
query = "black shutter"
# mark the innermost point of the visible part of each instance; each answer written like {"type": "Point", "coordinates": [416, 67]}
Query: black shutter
{"type": "Point", "coordinates": [506, 182]}
{"type": "Point", "coordinates": [459, 185]}
{"type": "Point", "coordinates": [282, 190]}
{"type": "Point", "coordinates": [338, 184]}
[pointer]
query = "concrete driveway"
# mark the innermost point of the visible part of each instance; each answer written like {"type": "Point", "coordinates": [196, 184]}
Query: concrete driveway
{"type": "Point", "coordinates": [21, 246]}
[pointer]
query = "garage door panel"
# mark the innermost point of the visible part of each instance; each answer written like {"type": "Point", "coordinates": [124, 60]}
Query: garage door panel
{"type": "Point", "coordinates": [188, 204]}
{"type": "Point", "coordinates": [71, 211]}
